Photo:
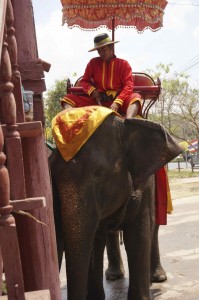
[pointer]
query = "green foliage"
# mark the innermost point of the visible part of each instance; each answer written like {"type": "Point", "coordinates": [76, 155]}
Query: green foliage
{"type": "Point", "coordinates": [52, 105]}
{"type": "Point", "coordinates": [178, 106]}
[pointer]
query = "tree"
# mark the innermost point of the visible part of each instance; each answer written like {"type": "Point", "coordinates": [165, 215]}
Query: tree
{"type": "Point", "coordinates": [178, 106]}
{"type": "Point", "coordinates": [52, 104]}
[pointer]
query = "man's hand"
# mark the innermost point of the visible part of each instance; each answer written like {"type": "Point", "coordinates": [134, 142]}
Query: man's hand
{"type": "Point", "coordinates": [96, 95]}
{"type": "Point", "coordinates": [114, 106]}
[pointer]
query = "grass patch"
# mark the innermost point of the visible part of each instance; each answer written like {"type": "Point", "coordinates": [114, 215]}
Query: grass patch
{"type": "Point", "coordinates": [182, 174]}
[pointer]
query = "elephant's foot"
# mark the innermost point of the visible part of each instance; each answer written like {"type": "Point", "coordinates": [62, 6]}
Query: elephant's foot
{"type": "Point", "coordinates": [96, 296]}
{"type": "Point", "coordinates": [159, 275]}
{"type": "Point", "coordinates": [115, 272]}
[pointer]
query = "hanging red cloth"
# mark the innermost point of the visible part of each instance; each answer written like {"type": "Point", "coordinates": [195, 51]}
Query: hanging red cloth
{"type": "Point", "coordinates": [163, 201]}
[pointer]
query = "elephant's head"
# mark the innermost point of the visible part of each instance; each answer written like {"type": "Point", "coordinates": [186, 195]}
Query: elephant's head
{"type": "Point", "coordinates": [149, 147]}
{"type": "Point", "coordinates": [140, 145]}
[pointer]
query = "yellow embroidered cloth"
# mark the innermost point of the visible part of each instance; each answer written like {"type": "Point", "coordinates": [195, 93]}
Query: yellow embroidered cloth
{"type": "Point", "coordinates": [72, 128]}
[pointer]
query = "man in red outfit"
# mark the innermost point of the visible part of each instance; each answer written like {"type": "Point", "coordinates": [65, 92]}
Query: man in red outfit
{"type": "Point", "coordinates": [107, 81]}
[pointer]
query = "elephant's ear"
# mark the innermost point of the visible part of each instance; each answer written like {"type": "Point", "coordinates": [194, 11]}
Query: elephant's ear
{"type": "Point", "coordinates": [149, 147]}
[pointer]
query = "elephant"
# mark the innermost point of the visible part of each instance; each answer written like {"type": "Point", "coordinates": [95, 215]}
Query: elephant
{"type": "Point", "coordinates": [101, 189]}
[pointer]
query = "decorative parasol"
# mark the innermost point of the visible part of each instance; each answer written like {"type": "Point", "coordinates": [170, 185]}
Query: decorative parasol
{"type": "Point", "coordinates": [92, 14]}
{"type": "Point", "coordinates": [138, 14]}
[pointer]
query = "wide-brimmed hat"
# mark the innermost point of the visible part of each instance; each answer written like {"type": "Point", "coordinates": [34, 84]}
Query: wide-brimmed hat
{"type": "Point", "coordinates": [102, 40]}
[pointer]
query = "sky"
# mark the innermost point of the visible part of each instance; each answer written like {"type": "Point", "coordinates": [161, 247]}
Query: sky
{"type": "Point", "coordinates": [176, 43]}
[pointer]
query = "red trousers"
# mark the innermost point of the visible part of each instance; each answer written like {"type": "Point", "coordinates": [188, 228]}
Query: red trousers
{"type": "Point", "coordinates": [76, 100]}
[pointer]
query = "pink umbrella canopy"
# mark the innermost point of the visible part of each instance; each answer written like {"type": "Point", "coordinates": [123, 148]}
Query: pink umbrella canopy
{"type": "Point", "coordinates": [92, 14]}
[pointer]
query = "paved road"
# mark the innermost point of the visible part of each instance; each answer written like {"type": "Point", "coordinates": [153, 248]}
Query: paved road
{"type": "Point", "coordinates": [179, 247]}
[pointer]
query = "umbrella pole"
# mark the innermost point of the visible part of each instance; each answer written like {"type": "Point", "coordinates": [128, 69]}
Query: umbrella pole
{"type": "Point", "coordinates": [113, 32]}
{"type": "Point", "coordinates": [113, 28]}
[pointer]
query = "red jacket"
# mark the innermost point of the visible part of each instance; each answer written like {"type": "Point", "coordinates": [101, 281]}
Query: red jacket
{"type": "Point", "coordinates": [115, 76]}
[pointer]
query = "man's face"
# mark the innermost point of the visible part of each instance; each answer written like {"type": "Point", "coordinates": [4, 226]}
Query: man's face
{"type": "Point", "coordinates": [106, 53]}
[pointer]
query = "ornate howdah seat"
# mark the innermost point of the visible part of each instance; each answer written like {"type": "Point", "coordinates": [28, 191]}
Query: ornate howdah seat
{"type": "Point", "coordinates": [144, 84]}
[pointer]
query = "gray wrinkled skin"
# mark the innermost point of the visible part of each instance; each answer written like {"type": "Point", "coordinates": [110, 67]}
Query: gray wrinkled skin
{"type": "Point", "coordinates": [102, 189]}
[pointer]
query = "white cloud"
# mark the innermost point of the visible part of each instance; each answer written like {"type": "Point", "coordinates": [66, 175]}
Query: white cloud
{"type": "Point", "coordinates": [196, 32]}
{"type": "Point", "coordinates": [175, 17]}
{"type": "Point", "coordinates": [63, 48]}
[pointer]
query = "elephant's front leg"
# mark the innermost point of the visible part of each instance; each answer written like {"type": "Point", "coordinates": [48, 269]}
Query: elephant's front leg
{"type": "Point", "coordinates": [137, 239]}
{"type": "Point", "coordinates": [95, 278]}
{"type": "Point", "coordinates": [80, 222]}
{"type": "Point", "coordinates": [58, 223]}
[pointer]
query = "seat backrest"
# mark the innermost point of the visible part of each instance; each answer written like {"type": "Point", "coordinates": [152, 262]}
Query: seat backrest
{"type": "Point", "coordinates": [142, 79]}
{"type": "Point", "coordinates": [144, 84]}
